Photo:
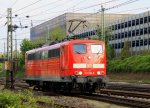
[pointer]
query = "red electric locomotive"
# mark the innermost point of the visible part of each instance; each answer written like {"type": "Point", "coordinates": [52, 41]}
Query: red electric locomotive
{"type": "Point", "coordinates": [68, 65]}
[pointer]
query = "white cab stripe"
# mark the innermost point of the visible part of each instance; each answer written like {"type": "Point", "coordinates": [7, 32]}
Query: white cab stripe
{"type": "Point", "coordinates": [79, 65]}
{"type": "Point", "coordinates": [98, 65]}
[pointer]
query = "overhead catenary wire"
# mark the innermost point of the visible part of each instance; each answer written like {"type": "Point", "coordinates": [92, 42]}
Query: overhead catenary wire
{"type": "Point", "coordinates": [14, 4]}
{"type": "Point", "coordinates": [78, 9]}
{"type": "Point", "coordinates": [116, 6]}
{"type": "Point", "coordinates": [23, 7]}
{"type": "Point", "coordinates": [75, 10]}
{"type": "Point", "coordinates": [40, 13]}
{"type": "Point", "coordinates": [135, 9]}
{"type": "Point", "coordinates": [43, 6]}
{"type": "Point", "coordinates": [27, 6]}
{"type": "Point", "coordinates": [122, 4]}
{"type": "Point", "coordinates": [86, 8]}
{"type": "Point", "coordinates": [63, 10]}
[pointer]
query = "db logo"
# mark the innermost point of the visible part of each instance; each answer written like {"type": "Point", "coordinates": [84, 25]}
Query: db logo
{"type": "Point", "coordinates": [89, 65]}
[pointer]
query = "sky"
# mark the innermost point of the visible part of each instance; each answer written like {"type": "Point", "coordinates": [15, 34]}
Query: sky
{"type": "Point", "coordinates": [42, 10]}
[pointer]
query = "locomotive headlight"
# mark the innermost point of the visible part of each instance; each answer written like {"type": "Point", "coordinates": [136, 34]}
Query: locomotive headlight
{"type": "Point", "coordinates": [78, 73]}
{"type": "Point", "coordinates": [98, 72]}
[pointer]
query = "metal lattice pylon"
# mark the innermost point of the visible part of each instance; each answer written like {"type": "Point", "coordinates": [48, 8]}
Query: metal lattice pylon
{"type": "Point", "coordinates": [9, 63]}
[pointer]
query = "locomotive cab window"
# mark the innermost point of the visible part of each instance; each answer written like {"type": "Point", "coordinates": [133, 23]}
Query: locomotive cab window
{"type": "Point", "coordinates": [96, 49]}
{"type": "Point", "coordinates": [79, 48]}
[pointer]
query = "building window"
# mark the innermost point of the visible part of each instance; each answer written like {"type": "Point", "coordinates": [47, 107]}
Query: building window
{"type": "Point", "coordinates": [122, 35]}
{"type": "Point", "coordinates": [145, 41]}
{"type": "Point", "coordinates": [141, 20]}
{"type": "Point", "coordinates": [141, 42]}
{"type": "Point", "coordinates": [137, 43]}
{"type": "Point", "coordinates": [133, 43]}
{"type": "Point", "coordinates": [141, 31]}
{"type": "Point", "coordinates": [119, 45]}
{"type": "Point", "coordinates": [118, 35]}
{"type": "Point", "coordinates": [112, 27]}
{"type": "Point", "coordinates": [115, 27]}
{"type": "Point", "coordinates": [129, 34]}
{"type": "Point", "coordinates": [133, 22]}
{"type": "Point", "coordinates": [145, 30]}
{"type": "Point", "coordinates": [129, 23]}
{"type": "Point", "coordinates": [137, 32]}
{"type": "Point", "coordinates": [122, 25]}
{"type": "Point", "coordinates": [115, 46]}
{"type": "Point", "coordinates": [137, 21]}
{"type": "Point", "coordinates": [148, 18]}
{"type": "Point", "coordinates": [145, 19]}
{"type": "Point", "coordinates": [118, 26]}
{"type": "Point", "coordinates": [126, 24]}
{"type": "Point", "coordinates": [148, 29]}
{"type": "Point", "coordinates": [126, 34]}
{"type": "Point", "coordinates": [94, 32]}
{"type": "Point", "coordinates": [133, 33]}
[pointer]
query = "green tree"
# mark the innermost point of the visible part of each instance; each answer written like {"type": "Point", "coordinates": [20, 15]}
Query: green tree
{"type": "Point", "coordinates": [57, 34]}
{"type": "Point", "coordinates": [125, 52]}
{"type": "Point", "coordinates": [109, 50]}
{"type": "Point", "coordinates": [27, 45]}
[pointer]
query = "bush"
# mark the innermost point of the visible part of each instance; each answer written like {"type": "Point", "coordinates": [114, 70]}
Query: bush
{"type": "Point", "coordinates": [10, 99]}
{"type": "Point", "coordinates": [140, 63]}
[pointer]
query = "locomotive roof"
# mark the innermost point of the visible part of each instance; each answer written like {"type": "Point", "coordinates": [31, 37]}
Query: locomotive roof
{"type": "Point", "coordinates": [57, 45]}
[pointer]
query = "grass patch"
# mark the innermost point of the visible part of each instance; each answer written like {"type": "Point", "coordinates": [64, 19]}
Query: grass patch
{"type": "Point", "coordinates": [22, 99]}
{"type": "Point", "coordinates": [140, 63]}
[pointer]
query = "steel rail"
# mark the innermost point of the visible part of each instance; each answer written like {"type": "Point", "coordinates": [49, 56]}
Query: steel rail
{"type": "Point", "coordinates": [129, 86]}
{"type": "Point", "coordinates": [125, 93]}
{"type": "Point", "coordinates": [116, 100]}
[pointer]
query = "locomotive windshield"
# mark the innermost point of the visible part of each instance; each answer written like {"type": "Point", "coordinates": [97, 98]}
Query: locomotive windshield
{"type": "Point", "coordinates": [80, 48]}
{"type": "Point", "coordinates": [96, 49]}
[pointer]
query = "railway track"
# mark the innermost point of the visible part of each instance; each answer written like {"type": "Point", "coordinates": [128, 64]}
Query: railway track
{"type": "Point", "coordinates": [125, 93]}
{"type": "Point", "coordinates": [116, 96]}
{"type": "Point", "coordinates": [117, 100]}
{"type": "Point", "coordinates": [129, 86]}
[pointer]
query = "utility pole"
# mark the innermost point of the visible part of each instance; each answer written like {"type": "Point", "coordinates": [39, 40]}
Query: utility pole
{"type": "Point", "coordinates": [4, 51]}
{"type": "Point", "coordinates": [102, 23]}
{"type": "Point", "coordinates": [16, 54]}
{"type": "Point", "coordinates": [9, 63]}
